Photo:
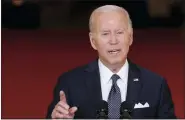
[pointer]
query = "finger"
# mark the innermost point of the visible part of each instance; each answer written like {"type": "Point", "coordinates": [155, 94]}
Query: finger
{"type": "Point", "coordinates": [63, 105]}
{"type": "Point", "coordinates": [55, 114]}
{"type": "Point", "coordinates": [62, 96]}
{"type": "Point", "coordinates": [59, 115]}
{"type": "Point", "coordinates": [68, 116]}
{"type": "Point", "coordinates": [73, 110]}
{"type": "Point", "coordinates": [71, 113]}
{"type": "Point", "coordinates": [61, 110]}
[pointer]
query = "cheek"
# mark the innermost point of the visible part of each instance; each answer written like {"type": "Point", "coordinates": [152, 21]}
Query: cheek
{"type": "Point", "coordinates": [125, 44]}
{"type": "Point", "coordinates": [101, 43]}
{"type": "Point", "coordinates": [125, 40]}
{"type": "Point", "coordinates": [101, 47]}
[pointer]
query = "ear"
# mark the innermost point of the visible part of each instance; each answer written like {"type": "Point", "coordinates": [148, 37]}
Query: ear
{"type": "Point", "coordinates": [131, 37]}
{"type": "Point", "coordinates": [92, 40]}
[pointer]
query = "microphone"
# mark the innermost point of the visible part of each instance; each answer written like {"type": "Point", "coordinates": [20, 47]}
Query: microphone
{"type": "Point", "coordinates": [102, 111]}
{"type": "Point", "coordinates": [125, 110]}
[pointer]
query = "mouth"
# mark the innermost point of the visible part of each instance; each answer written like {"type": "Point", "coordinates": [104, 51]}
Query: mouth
{"type": "Point", "coordinates": [114, 51]}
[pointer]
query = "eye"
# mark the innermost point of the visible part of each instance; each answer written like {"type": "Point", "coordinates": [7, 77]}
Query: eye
{"type": "Point", "coordinates": [120, 32]}
{"type": "Point", "coordinates": [105, 33]}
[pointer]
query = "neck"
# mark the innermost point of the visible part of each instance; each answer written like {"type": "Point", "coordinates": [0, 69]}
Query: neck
{"type": "Point", "coordinates": [114, 67]}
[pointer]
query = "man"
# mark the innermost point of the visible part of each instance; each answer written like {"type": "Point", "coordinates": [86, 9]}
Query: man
{"type": "Point", "coordinates": [112, 78]}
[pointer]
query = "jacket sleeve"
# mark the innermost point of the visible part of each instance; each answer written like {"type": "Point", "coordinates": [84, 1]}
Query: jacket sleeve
{"type": "Point", "coordinates": [61, 85]}
{"type": "Point", "coordinates": [166, 105]}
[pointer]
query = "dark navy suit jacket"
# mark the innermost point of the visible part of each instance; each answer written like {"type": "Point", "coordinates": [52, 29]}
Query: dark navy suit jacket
{"type": "Point", "coordinates": [82, 88]}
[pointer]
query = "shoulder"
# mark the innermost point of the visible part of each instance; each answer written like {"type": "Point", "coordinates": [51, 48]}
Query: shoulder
{"type": "Point", "coordinates": [79, 72]}
{"type": "Point", "coordinates": [73, 73]}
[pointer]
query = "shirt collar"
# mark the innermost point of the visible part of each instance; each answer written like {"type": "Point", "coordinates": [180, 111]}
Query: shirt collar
{"type": "Point", "coordinates": [106, 74]}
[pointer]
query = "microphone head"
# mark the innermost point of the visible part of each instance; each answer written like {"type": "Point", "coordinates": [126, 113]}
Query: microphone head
{"type": "Point", "coordinates": [125, 110]}
{"type": "Point", "coordinates": [102, 109]}
{"type": "Point", "coordinates": [126, 106]}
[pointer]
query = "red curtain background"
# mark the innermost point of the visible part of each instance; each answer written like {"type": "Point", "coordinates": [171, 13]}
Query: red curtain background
{"type": "Point", "coordinates": [32, 60]}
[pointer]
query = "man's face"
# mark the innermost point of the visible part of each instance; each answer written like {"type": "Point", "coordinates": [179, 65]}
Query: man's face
{"type": "Point", "coordinates": [111, 37]}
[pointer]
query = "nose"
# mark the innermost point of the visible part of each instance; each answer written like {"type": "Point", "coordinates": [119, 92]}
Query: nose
{"type": "Point", "coordinates": [113, 40]}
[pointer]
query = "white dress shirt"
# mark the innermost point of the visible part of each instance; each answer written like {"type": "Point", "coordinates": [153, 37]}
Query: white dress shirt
{"type": "Point", "coordinates": [106, 82]}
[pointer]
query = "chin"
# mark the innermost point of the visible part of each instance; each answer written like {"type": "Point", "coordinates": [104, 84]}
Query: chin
{"type": "Point", "coordinates": [116, 61]}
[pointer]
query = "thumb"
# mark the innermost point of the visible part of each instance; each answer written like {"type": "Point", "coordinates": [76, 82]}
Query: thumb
{"type": "Point", "coordinates": [62, 96]}
{"type": "Point", "coordinates": [73, 110]}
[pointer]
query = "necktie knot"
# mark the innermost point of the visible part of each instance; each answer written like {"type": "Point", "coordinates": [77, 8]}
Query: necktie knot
{"type": "Point", "coordinates": [114, 78]}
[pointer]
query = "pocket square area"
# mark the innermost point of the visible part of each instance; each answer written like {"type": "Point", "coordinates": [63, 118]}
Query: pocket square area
{"type": "Point", "coordinates": [139, 105]}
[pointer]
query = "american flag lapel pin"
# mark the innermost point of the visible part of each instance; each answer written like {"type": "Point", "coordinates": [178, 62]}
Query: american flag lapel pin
{"type": "Point", "coordinates": [136, 79]}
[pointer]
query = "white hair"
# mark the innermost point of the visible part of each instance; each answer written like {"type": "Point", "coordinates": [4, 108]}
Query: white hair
{"type": "Point", "coordinates": [108, 8]}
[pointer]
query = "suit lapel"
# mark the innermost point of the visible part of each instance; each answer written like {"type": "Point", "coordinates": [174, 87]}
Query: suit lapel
{"type": "Point", "coordinates": [93, 83]}
{"type": "Point", "coordinates": [134, 84]}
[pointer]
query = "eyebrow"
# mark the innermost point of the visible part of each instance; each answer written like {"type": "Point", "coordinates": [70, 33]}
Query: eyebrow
{"type": "Point", "coordinates": [105, 31]}
{"type": "Point", "coordinates": [115, 30]}
{"type": "Point", "coordinates": [120, 29]}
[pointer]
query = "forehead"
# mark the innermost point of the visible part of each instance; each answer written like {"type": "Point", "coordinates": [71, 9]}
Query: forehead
{"type": "Point", "coordinates": [111, 19]}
